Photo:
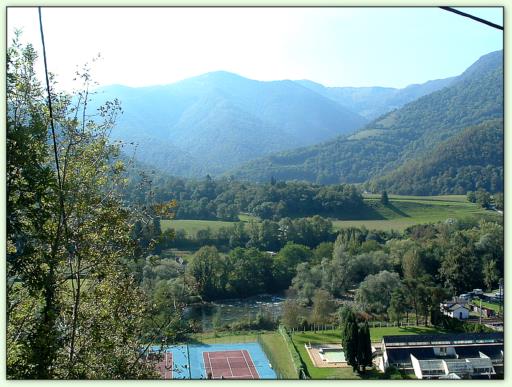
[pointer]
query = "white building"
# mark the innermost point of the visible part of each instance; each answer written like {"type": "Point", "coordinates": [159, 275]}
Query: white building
{"type": "Point", "coordinates": [455, 310]}
{"type": "Point", "coordinates": [445, 356]}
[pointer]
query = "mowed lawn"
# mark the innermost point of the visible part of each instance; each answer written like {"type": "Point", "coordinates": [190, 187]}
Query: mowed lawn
{"type": "Point", "coordinates": [334, 336]}
{"type": "Point", "coordinates": [376, 334]}
{"type": "Point", "coordinates": [325, 337]}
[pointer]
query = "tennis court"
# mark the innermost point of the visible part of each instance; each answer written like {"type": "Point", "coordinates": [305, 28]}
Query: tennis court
{"type": "Point", "coordinates": [229, 365]}
{"type": "Point", "coordinates": [215, 361]}
{"type": "Point", "coordinates": [164, 366]}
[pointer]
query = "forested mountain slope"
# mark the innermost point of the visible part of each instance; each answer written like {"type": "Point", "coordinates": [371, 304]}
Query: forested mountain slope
{"type": "Point", "coordinates": [396, 138]}
{"type": "Point", "coordinates": [216, 121]}
{"type": "Point", "coordinates": [470, 160]}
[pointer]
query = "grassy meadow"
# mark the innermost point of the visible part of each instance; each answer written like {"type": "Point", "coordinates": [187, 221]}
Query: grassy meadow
{"type": "Point", "coordinates": [191, 227]}
{"type": "Point", "coordinates": [400, 213]}
{"type": "Point", "coordinates": [405, 211]}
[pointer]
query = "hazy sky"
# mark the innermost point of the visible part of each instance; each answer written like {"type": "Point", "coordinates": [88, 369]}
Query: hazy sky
{"type": "Point", "coordinates": [391, 47]}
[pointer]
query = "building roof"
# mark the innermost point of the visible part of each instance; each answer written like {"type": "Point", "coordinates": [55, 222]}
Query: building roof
{"type": "Point", "coordinates": [454, 306]}
{"type": "Point", "coordinates": [431, 365]}
{"type": "Point", "coordinates": [493, 351]}
{"type": "Point", "coordinates": [403, 355]}
{"type": "Point", "coordinates": [450, 376]}
{"type": "Point", "coordinates": [457, 306]}
{"type": "Point", "coordinates": [444, 339]}
{"type": "Point", "coordinates": [458, 366]}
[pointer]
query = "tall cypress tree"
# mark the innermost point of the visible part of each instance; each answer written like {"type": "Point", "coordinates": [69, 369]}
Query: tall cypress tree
{"type": "Point", "coordinates": [349, 341]}
{"type": "Point", "coordinates": [364, 347]}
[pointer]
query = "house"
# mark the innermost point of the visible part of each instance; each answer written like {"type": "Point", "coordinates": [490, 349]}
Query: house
{"type": "Point", "coordinates": [445, 356]}
{"type": "Point", "coordinates": [454, 310]}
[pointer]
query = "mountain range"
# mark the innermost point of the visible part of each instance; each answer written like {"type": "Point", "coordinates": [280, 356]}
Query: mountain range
{"type": "Point", "coordinates": [372, 102]}
{"type": "Point", "coordinates": [392, 141]}
{"type": "Point", "coordinates": [217, 121]}
{"type": "Point", "coordinates": [222, 123]}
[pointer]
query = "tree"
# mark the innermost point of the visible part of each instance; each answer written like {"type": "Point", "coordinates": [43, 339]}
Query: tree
{"type": "Point", "coordinates": [32, 346]}
{"type": "Point", "coordinates": [471, 197]}
{"type": "Point", "coordinates": [323, 250]}
{"type": "Point", "coordinates": [499, 201]}
{"type": "Point", "coordinates": [412, 295]}
{"type": "Point", "coordinates": [349, 338]}
{"type": "Point", "coordinates": [355, 340]}
{"type": "Point", "coordinates": [411, 264]}
{"type": "Point", "coordinates": [322, 307]}
{"type": "Point", "coordinates": [491, 273]}
{"type": "Point", "coordinates": [364, 347]}
{"type": "Point", "coordinates": [384, 199]}
{"type": "Point", "coordinates": [207, 268]}
{"type": "Point", "coordinates": [460, 265]}
{"type": "Point", "coordinates": [73, 311]}
{"type": "Point", "coordinates": [397, 305]}
{"type": "Point", "coordinates": [292, 314]}
{"type": "Point", "coordinates": [306, 281]}
{"type": "Point", "coordinates": [374, 293]}
{"type": "Point", "coordinates": [438, 294]}
{"type": "Point", "coordinates": [344, 314]}
{"type": "Point", "coordinates": [286, 262]}
{"type": "Point", "coordinates": [490, 244]}
{"type": "Point", "coordinates": [250, 272]}
{"type": "Point", "coordinates": [483, 198]}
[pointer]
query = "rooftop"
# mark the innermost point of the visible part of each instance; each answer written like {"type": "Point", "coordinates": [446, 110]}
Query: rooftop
{"type": "Point", "coordinates": [443, 339]}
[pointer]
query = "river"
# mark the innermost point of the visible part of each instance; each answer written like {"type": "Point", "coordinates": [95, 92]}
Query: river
{"type": "Point", "coordinates": [229, 311]}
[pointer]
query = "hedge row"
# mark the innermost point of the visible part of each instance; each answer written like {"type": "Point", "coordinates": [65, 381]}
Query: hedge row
{"type": "Point", "coordinates": [299, 365]}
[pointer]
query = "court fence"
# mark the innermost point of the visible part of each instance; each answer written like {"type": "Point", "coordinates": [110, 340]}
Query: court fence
{"type": "Point", "coordinates": [276, 364]}
{"type": "Point", "coordinates": [298, 364]}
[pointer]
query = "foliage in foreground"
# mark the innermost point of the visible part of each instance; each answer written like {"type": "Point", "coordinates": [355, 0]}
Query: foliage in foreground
{"type": "Point", "coordinates": [73, 310]}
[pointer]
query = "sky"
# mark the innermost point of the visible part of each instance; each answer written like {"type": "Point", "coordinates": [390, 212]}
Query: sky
{"type": "Point", "coordinates": [391, 47]}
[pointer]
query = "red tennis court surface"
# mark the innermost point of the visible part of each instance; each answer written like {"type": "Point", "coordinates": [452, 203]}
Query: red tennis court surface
{"type": "Point", "coordinates": [230, 365]}
{"type": "Point", "coordinates": [164, 365]}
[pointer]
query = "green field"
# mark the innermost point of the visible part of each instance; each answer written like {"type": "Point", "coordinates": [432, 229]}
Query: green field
{"type": "Point", "coordinates": [405, 211]}
{"type": "Point", "coordinates": [376, 334]}
{"type": "Point", "coordinates": [442, 198]}
{"type": "Point", "coordinates": [192, 226]}
{"type": "Point", "coordinates": [400, 213]}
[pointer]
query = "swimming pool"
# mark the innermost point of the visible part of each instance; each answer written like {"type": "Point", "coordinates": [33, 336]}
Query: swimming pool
{"type": "Point", "coordinates": [332, 355]}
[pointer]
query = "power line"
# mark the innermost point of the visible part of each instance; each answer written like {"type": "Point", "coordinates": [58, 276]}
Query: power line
{"type": "Point", "coordinates": [450, 9]}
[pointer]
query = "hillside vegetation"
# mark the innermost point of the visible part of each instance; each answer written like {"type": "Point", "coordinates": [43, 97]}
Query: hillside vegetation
{"type": "Point", "coordinates": [217, 121]}
{"type": "Point", "coordinates": [398, 137]}
{"type": "Point", "coordinates": [472, 159]}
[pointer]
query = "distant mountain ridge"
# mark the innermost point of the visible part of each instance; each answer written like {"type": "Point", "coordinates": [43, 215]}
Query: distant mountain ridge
{"type": "Point", "coordinates": [372, 102]}
{"type": "Point", "coordinates": [217, 121]}
{"type": "Point", "coordinates": [396, 138]}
